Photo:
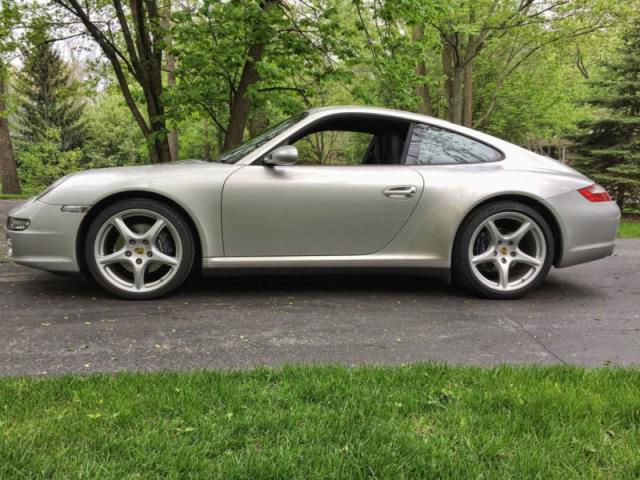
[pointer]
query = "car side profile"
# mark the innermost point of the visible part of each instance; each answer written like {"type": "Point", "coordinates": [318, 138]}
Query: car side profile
{"type": "Point", "coordinates": [330, 188]}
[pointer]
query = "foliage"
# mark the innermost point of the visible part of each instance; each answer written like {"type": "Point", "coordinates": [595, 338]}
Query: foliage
{"type": "Point", "coordinates": [42, 162]}
{"type": "Point", "coordinates": [132, 36]}
{"type": "Point", "coordinates": [523, 113]}
{"type": "Point", "coordinates": [296, 45]}
{"type": "Point", "coordinates": [114, 139]}
{"type": "Point", "coordinates": [421, 421]}
{"type": "Point", "coordinates": [518, 70]}
{"type": "Point", "coordinates": [50, 98]}
{"type": "Point", "coordinates": [49, 115]}
{"type": "Point", "coordinates": [10, 17]}
{"type": "Point", "coordinates": [629, 229]}
{"type": "Point", "coordinates": [14, 196]}
{"type": "Point", "coordinates": [434, 50]}
{"type": "Point", "coordinates": [610, 148]}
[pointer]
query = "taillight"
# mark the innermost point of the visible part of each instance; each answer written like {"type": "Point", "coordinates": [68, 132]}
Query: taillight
{"type": "Point", "coordinates": [595, 193]}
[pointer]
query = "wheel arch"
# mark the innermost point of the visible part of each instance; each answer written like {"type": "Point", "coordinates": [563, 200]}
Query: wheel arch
{"type": "Point", "coordinates": [532, 202]}
{"type": "Point", "coordinates": [116, 197]}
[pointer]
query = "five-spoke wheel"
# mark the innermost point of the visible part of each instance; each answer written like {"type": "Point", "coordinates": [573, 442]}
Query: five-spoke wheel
{"type": "Point", "coordinates": [503, 250]}
{"type": "Point", "coordinates": [139, 248]}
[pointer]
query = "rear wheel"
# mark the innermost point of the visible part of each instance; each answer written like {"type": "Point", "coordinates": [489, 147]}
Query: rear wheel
{"type": "Point", "coordinates": [503, 251]}
{"type": "Point", "coordinates": [139, 249]}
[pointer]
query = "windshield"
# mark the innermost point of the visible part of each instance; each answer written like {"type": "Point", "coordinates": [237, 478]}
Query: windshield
{"type": "Point", "coordinates": [235, 154]}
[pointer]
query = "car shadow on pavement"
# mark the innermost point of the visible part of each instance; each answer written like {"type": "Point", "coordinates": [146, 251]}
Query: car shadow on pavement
{"type": "Point", "coordinates": [47, 285]}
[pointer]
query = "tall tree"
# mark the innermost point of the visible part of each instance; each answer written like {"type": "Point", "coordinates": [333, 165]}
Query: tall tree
{"type": "Point", "coordinates": [249, 76]}
{"type": "Point", "coordinates": [422, 86]}
{"type": "Point", "coordinates": [466, 31]}
{"type": "Point", "coordinates": [9, 18]}
{"type": "Point", "coordinates": [132, 38]}
{"type": "Point", "coordinates": [170, 68]}
{"type": "Point", "coordinates": [524, 26]}
{"type": "Point", "coordinates": [50, 96]}
{"type": "Point", "coordinates": [235, 57]}
{"type": "Point", "coordinates": [610, 150]}
{"type": "Point", "coordinates": [8, 168]}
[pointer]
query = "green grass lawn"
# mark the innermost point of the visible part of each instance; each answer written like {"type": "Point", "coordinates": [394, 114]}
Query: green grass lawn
{"type": "Point", "coordinates": [629, 229]}
{"type": "Point", "coordinates": [424, 421]}
{"type": "Point", "coordinates": [6, 196]}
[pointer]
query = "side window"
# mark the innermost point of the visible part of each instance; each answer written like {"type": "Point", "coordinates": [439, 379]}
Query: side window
{"type": "Point", "coordinates": [435, 146]}
{"type": "Point", "coordinates": [331, 147]}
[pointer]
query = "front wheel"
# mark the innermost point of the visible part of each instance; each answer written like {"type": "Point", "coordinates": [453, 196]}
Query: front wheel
{"type": "Point", "coordinates": [139, 249]}
{"type": "Point", "coordinates": [503, 251]}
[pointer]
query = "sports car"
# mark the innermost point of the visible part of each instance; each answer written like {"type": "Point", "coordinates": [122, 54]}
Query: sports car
{"type": "Point", "coordinates": [330, 189]}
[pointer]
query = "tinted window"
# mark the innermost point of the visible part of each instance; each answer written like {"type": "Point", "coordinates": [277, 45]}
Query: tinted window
{"type": "Point", "coordinates": [333, 148]}
{"type": "Point", "coordinates": [435, 146]}
{"type": "Point", "coordinates": [235, 154]}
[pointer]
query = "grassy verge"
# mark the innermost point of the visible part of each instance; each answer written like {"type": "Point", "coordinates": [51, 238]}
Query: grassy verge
{"type": "Point", "coordinates": [7, 196]}
{"type": "Point", "coordinates": [424, 421]}
{"type": "Point", "coordinates": [629, 228]}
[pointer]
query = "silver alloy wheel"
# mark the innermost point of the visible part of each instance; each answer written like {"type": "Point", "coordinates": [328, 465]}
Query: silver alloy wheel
{"type": "Point", "coordinates": [138, 250]}
{"type": "Point", "coordinates": [507, 251]}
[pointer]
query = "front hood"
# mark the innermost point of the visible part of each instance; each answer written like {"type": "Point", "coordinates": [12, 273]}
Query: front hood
{"type": "Point", "coordinates": [90, 186]}
{"type": "Point", "coordinates": [153, 169]}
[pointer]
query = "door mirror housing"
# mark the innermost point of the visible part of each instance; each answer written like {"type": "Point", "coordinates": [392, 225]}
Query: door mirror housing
{"type": "Point", "coordinates": [282, 156]}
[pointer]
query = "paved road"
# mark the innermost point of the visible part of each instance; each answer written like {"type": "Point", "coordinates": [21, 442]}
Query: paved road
{"type": "Point", "coordinates": [589, 314]}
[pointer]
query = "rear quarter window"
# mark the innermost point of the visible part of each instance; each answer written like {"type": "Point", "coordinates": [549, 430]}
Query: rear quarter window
{"type": "Point", "coordinates": [436, 146]}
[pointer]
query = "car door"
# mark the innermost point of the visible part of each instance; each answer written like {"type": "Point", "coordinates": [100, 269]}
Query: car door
{"type": "Point", "coordinates": [317, 210]}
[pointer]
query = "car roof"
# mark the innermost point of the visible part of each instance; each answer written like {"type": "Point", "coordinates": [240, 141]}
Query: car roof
{"type": "Point", "coordinates": [413, 117]}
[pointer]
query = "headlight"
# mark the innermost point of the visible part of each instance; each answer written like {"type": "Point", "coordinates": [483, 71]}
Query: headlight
{"type": "Point", "coordinates": [17, 224]}
{"type": "Point", "coordinates": [54, 185]}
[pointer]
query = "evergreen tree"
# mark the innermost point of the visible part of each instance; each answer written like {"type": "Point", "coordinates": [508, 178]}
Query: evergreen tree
{"type": "Point", "coordinates": [50, 98]}
{"type": "Point", "coordinates": [610, 150]}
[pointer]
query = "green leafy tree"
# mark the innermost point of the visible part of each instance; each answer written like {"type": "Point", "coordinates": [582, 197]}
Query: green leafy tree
{"type": "Point", "coordinates": [42, 162]}
{"type": "Point", "coordinates": [429, 51]}
{"type": "Point", "coordinates": [114, 139]}
{"type": "Point", "coordinates": [131, 36]}
{"type": "Point", "coordinates": [239, 61]}
{"type": "Point", "coordinates": [50, 97]}
{"type": "Point", "coordinates": [9, 19]}
{"type": "Point", "coordinates": [609, 151]}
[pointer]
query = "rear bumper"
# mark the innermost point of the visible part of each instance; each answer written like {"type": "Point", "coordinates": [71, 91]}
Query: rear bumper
{"type": "Point", "coordinates": [49, 243]}
{"type": "Point", "coordinates": [588, 228]}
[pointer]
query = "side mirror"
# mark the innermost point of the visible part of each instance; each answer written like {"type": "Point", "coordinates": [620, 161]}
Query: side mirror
{"type": "Point", "coordinates": [283, 156]}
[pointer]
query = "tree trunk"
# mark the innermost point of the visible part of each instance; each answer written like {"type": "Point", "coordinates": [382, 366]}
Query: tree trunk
{"type": "Point", "coordinates": [157, 137]}
{"type": "Point", "coordinates": [422, 87]}
{"type": "Point", "coordinates": [206, 142]}
{"type": "Point", "coordinates": [241, 104]}
{"type": "Point", "coordinates": [258, 122]}
{"type": "Point", "coordinates": [142, 60]}
{"type": "Point", "coordinates": [170, 66]}
{"type": "Point", "coordinates": [453, 84]}
{"type": "Point", "coordinates": [173, 133]}
{"type": "Point", "coordinates": [467, 119]}
{"type": "Point", "coordinates": [447, 68]}
{"type": "Point", "coordinates": [8, 168]}
{"type": "Point", "coordinates": [620, 194]}
{"type": "Point", "coordinates": [220, 139]}
{"type": "Point", "coordinates": [458, 95]}
{"type": "Point", "coordinates": [159, 149]}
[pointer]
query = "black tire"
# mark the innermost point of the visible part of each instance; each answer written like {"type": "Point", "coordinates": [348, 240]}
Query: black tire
{"type": "Point", "coordinates": [169, 213]}
{"type": "Point", "coordinates": [462, 273]}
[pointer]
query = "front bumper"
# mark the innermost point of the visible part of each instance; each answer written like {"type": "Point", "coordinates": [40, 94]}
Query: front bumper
{"type": "Point", "coordinates": [588, 229]}
{"type": "Point", "coordinates": [49, 243]}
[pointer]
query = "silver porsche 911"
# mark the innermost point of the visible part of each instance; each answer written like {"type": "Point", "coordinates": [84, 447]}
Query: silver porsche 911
{"type": "Point", "coordinates": [334, 188]}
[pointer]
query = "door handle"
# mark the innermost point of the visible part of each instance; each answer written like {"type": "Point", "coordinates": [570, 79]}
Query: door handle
{"type": "Point", "coordinates": [403, 191]}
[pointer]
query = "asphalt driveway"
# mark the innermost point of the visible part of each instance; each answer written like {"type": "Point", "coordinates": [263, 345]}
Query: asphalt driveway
{"type": "Point", "coordinates": [589, 314]}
